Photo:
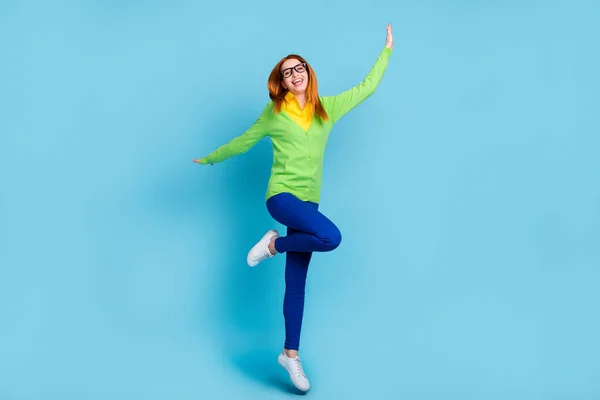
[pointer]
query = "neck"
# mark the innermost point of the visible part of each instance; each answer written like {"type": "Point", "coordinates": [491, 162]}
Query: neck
{"type": "Point", "coordinates": [301, 97]}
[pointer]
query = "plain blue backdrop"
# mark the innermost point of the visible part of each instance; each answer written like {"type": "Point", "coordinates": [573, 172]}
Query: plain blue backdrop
{"type": "Point", "coordinates": [467, 191]}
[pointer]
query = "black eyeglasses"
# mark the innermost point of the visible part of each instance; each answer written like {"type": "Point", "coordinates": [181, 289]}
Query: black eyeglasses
{"type": "Point", "coordinates": [299, 68]}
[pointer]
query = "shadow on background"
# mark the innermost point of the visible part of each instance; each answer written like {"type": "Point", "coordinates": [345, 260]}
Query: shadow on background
{"type": "Point", "coordinates": [245, 304]}
{"type": "Point", "coordinates": [249, 300]}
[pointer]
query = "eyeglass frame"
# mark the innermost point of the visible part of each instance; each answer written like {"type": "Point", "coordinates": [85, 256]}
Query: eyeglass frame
{"type": "Point", "coordinates": [294, 68]}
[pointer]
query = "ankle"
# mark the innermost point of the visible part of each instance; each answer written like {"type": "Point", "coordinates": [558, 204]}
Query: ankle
{"type": "Point", "coordinates": [291, 353]}
{"type": "Point", "coordinates": [271, 247]}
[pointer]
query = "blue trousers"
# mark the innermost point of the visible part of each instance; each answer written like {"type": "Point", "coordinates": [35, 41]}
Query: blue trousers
{"type": "Point", "coordinates": [308, 231]}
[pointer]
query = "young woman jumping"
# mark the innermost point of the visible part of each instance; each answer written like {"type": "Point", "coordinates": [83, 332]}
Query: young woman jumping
{"type": "Point", "coordinates": [298, 122]}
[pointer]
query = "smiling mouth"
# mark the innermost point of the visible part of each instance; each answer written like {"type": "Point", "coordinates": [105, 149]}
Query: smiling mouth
{"type": "Point", "coordinates": [297, 82]}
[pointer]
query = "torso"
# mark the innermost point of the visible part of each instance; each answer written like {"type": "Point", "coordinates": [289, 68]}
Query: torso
{"type": "Point", "coordinates": [298, 150]}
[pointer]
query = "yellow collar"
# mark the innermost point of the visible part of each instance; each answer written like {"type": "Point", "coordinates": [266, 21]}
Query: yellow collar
{"type": "Point", "coordinates": [303, 117]}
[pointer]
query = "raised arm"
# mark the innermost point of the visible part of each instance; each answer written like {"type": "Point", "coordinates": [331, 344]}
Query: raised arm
{"type": "Point", "coordinates": [242, 143]}
{"type": "Point", "coordinates": [346, 101]}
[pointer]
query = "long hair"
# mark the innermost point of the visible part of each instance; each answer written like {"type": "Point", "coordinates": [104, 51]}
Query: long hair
{"type": "Point", "coordinates": [277, 92]}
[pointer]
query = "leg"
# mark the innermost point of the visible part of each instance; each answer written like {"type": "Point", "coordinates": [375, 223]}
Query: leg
{"type": "Point", "coordinates": [296, 269]}
{"type": "Point", "coordinates": [293, 307]}
{"type": "Point", "coordinates": [313, 231]}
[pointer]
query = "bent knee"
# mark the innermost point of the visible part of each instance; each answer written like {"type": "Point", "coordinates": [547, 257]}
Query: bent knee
{"type": "Point", "coordinates": [333, 239]}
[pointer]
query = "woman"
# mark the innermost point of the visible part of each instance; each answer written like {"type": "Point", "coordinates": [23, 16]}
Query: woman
{"type": "Point", "coordinates": [298, 122]}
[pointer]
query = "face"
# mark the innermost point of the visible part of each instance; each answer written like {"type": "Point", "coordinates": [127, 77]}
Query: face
{"type": "Point", "coordinates": [294, 76]}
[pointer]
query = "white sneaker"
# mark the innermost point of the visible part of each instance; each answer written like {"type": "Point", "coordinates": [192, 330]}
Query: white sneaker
{"type": "Point", "coordinates": [260, 251]}
{"type": "Point", "coordinates": [294, 367]}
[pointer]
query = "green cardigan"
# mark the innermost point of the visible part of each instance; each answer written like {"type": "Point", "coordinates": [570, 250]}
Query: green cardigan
{"type": "Point", "coordinates": [298, 154]}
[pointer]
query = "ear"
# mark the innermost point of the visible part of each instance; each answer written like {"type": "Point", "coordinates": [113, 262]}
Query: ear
{"type": "Point", "coordinates": [283, 84]}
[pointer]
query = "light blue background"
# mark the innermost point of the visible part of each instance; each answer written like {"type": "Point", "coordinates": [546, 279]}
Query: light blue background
{"type": "Point", "coordinates": [467, 190]}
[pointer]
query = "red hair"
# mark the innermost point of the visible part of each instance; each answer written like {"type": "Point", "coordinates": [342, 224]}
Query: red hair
{"type": "Point", "coordinates": [277, 92]}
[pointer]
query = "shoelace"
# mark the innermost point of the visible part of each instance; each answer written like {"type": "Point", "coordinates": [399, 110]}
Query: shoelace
{"type": "Point", "coordinates": [299, 369]}
{"type": "Point", "coordinates": [264, 255]}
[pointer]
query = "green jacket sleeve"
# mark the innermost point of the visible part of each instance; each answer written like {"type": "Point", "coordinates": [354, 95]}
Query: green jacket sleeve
{"type": "Point", "coordinates": [346, 101]}
{"type": "Point", "coordinates": [242, 143]}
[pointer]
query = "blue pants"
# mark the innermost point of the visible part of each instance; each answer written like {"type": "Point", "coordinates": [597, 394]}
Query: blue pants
{"type": "Point", "coordinates": [307, 231]}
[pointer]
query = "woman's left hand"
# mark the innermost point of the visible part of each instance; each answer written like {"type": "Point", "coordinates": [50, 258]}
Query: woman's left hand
{"type": "Point", "coordinates": [389, 40]}
{"type": "Point", "coordinates": [199, 161]}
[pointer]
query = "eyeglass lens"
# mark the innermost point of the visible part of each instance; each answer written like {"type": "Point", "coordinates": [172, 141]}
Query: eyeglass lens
{"type": "Point", "coordinates": [288, 71]}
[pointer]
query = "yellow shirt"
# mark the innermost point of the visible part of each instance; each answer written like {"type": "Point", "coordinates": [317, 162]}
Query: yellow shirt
{"type": "Point", "coordinates": [303, 117]}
